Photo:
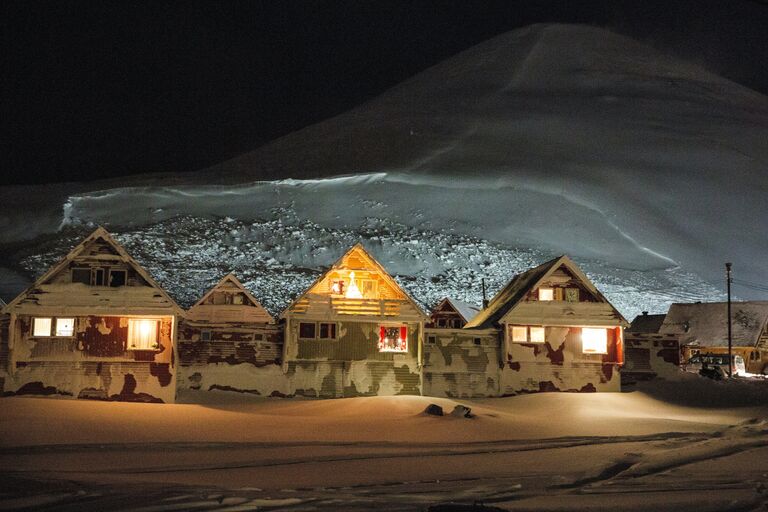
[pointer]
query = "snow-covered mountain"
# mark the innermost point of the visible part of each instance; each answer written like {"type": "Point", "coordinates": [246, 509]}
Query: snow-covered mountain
{"type": "Point", "coordinates": [551, 139]}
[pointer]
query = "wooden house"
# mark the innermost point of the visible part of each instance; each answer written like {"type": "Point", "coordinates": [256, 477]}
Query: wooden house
{"type": "Point", "coordinates": [228, 341]}
{"type": "Point", "coordinates": [355, 331]}
{"type": "Point", "coordinates": [96, 325]}
{"type": "Point", "coordinates": [703, 327]}
{"type": "Point", "coordinates": [557, 332]}
{"type": "Point", "coordinates": [647, 352]}
{"type": "Point", "coordinates": [451, 314]}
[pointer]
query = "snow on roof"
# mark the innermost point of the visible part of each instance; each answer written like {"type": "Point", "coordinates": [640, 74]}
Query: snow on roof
{"type": "Point", "coordinates": [647, 323]}
{"type": "Point", "coordinates": [466, 310]}
{"type": "Point", "coordinates": [706, 324]}
{"type": "Point", "coordinates": [510, 295]}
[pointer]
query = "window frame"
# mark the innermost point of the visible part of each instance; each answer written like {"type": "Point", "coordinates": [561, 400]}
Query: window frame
{"type": "Point", "coordinates": [403, 330]}
{"type": "Point", "coordinates": [122, 271]}
{"type": "Point", "coordinates": [204, 332]}
{"type": "Point", "coordinates": [131, 330]}
{"type": "Point", "coordinates": [314, 331]}
{"type": "Point", "coordinates": [35, 319]}
{"type": "Point", "coordinates": [55, 329]}
{"type": "Point", "coordinates": [319, 331]}
{"type": "Point", "coordinates": [594, 330]}
{"type": "Point", "coordinates": [528, 333]}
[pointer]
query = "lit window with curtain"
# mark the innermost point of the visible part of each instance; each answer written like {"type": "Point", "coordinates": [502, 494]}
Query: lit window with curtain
{"type": "Point", "coordinates": [142, 334]}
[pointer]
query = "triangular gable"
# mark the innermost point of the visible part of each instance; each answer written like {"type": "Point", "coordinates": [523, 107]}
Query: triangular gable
{"type": "Point", "coordinates": [357, 259]}
{"type": "Point", "coordinates": [115, 248]}
{"type": "Point", "coordinates": [231, 280]}
{"type": "Point", "coordinates": [706, 324]}
{"type": "Point", "coordinates": [466, 311]}
{"type": "Point", "coordinates": [517, 289]}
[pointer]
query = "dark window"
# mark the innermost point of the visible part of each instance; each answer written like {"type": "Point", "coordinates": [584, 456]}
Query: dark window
{"type": "Point", "coordinates": [457, 323]}
{"type": "Point", "coordinates": [431, 340]}
{"type": "Point", "coordinates": [307, 330]}
{"type": "Point", "coordinates": [205, 335]}
{"type": "Point", "coordinates": [477, 341]}
{"type": "Point", "coordinates": [98, 277]}
{"type": "Point", "coordinates": [81, 275]}
{"type": "Point", "coordinates": [117, 278]}
{"type": "Point", "coordinates": [327, 331]}
{"type": "Point", "coordinates": [441, 322]}
{"type": "Point", "coordinates": [259, 337]}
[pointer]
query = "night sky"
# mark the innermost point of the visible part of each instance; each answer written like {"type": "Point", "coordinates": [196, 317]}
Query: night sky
{"type": "Point", "coordinates": [102, 89]}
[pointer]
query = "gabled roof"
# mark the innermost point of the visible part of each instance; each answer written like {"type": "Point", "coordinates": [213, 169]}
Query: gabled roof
{"type": "Point", "coordinates": [230, 278]}
{"type": "Point", "coordinates": [516, 290]}
{"type": "Point", "coordinates": [99, 233]}
{"type": "Point", "coordinates": [646, 323]}
{"type": "Point", "coordinates": [358, 247]}
{"type": "Point", "coordinates": [465, 310]}
{"type": "Point", "coordinates": [706, 324]}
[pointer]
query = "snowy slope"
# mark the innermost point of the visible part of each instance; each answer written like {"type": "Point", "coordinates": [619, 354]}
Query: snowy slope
{"type": "Point", "coordinates": [546, 140]}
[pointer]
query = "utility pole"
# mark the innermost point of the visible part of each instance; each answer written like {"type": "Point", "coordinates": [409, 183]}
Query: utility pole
{"type": "Point", "coordinates": [728, 279]}
{"type": "Point", "coordinates": [485, 300]}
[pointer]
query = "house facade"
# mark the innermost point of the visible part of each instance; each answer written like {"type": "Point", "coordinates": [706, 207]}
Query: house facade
{"type": "Point", "coordinates": [647, 352]}
{"type": "Point", "coordinates": [96, 325]}
{"type": "Point", "coordinates": [703, 328]}
{"type": "Point", "coordinates": [229, 342]}
{"type": "Point", "coordinates": [354, 332]}
{"type": "Point", "coordinates": [556, 332]}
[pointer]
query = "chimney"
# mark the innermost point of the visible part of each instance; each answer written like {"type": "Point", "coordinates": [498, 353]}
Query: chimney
{"type": "Point", "coordinates": [485, 300]}
{"type": "Point", "coordinates": [645, 313]}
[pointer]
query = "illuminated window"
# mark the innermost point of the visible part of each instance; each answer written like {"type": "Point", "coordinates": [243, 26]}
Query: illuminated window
{"type": "Point", "coordinates": [353, 292]}
{"type": "Point", "coordinates": [338, 286]}
{"type": "Point", "coordinates": [546, 294]}
{"type": "Point", "coordinates": [307, 330]}
{"type": "Point", "coordinates": [142, 334]}
{"type": "Point", "coordinates": [65, 326]}
{"type": "Point", "coordinates": [42, 326]}
{"type": "Point", "coordinates": [327, 331]}
{"type": "Point", "coordinates": [393, 339]}
{"type": "Point", "coordinates": [537, 335]}
{"type": "Point", "coordinates": [519, 334]}
{"type": "Point", "coordinates": [594, 341]}
{"type": "Point", "coordinates": [368, 287]}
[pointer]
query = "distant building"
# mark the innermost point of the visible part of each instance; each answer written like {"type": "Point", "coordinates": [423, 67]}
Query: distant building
{"type": "Point", "coordinates": [703, 327]}
{"type": "Point", "coordinates": [647, 352]}
{"type": "Point", "coordinates": [96, 325]}
{"type": "Point", "coordinates": [452, 314]}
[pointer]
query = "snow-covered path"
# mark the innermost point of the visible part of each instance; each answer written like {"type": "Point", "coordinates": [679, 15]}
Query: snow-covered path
{"type": "Point", "coordinates": [538, 452]}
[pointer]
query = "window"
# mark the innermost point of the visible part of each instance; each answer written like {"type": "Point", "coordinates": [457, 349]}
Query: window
{"type": "Point", "coordinates": [519, 334]}
{"type": "Point", "coordinates": [477, 341]}
{"type": "Point", "coordinates": [368, 287]}
{"type": "Point", "coordinates": [327, 331]}
{"type": "Point", "coordinates": [441, 322]}
{"type": "Point", "coordinates": [205, 335]}
{"type": "Point", "coordinates": [81, 275]}
{"type": "Point", "coordinates": [524, 334]}
{"type": "Point", "coordinates": [432, 340]}
{"type": "Point", "coordinates": [98, 277]}
{"type": "Point", "coordinates": [41, 326]}
{"type": "Point", "coordinates": [537, 335]}
{"type": "Point", "coordinates": [393, 338]}
{"type": "Point", "coordinates": [117, 278]}
{"type": "Point", "coordinates": [594, 341]}
{"type": "Point", "coordinates": [142, 334]}
{"type": "Point", "coordinates": [546, 294]}
{"type": "Point", "coordinates": [65, 326]}
{"type": "Point", "coordinates": [307, 330]}
{"type": "Point", "coordinates": [258, 337]}
{"type": "Point", "coordinates": [337, 286]}
{"type": "Point", "coordinates": [572, 295]}
{"type": "Point", "coordinates": [457, 323]}
{"type": "Point", "coordinates": [238, 299]}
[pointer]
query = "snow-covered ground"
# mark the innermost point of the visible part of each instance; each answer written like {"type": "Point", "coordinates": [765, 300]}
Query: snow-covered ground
{"type": "Point", "coordinates": [692, 444]}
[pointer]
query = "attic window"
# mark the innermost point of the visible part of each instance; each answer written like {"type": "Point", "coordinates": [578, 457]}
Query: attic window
{"type": "Point", "coordinates": [205, 335]}
{"type": "Point", "coordinates": [393, 339]}
{"type": "Point", "coordinates": [81, 275]}
{"type": "Point", "coordinates": [572, 295]}
{"type": "Point", "coordinates": [337, 287]}
{"type": "Point", "coordinates": [546, 294]}
{"type": "Point", "coordinates": [41, 326]}
{"type": "Point", "coordinates": [238, 299]}
{"type": "Point", "coordinates": [117, 278]}
{"type": "Point", "coordinates": [594, 341]}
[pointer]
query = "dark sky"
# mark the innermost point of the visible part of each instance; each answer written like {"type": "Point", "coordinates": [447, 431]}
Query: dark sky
{"type": "Point", "coordinates": [102, 89]}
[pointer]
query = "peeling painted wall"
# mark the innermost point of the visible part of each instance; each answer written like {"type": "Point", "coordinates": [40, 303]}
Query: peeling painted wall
{"type": "Point", "coordinates": [461, 363]}
{"type": "Point", "coordinates": [650, 355]}
{"type": "Point", "coordinates": [94, 363]}
{"type": "Point", "coordinates": [557, 365]}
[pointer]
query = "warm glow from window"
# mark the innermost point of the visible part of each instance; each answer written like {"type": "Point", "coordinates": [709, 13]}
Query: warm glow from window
{"type": "Point", "coordinates": [353, 292]}
{"type": "Point", "coordinates": [537, 335]}
{"type": "Point", "coordinates": [546, 294]}
{"type": "Point", "coordinates": [393, 338]}
{"type": "Point", "coordinates": [519, 334]}
{"type": "Point", "coordinates": [142, 334]}
{"type": "Point", "coordinates": [41, 326]}
{"type": "Point", "coordinates": [594, 341]}
{"type": "Point", "coordinates": [65, 326]}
